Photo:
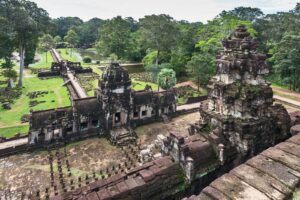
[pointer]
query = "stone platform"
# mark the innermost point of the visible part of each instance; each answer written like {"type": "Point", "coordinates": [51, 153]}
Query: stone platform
{"type": "Point", "coordinates": [273, 174]}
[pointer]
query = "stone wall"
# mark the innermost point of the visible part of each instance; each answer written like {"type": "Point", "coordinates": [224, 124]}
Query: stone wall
{"type": "Point", "coordinates": [159, 179]}
{"type": "Point", "coordinates": [273, 174]}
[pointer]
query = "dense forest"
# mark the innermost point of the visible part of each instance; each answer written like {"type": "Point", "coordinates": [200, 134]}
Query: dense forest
{"type": "Point", "coordinates": [159, 41]}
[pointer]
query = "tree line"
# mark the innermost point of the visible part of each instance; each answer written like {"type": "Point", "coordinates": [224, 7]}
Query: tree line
{"type": "Point", "coordinates": [159, 41]}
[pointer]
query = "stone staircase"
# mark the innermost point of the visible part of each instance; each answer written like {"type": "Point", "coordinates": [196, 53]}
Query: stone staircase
{"type": "Point", "coordinates": [122, 136]}
{"type": "Point", "coordinates": [165, 119]}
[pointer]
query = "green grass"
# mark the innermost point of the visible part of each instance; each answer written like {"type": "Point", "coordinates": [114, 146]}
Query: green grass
{"type": "Point", "coordinates": [58, 96]}
{"type": "Point", "coordinates": [11, 131]}
{"type": "Point", "coordinates": [140, 85]}
{"type": "Point", "coordinates": [42, 63]}
{"type": "Point", "coordinates": [70, 55]}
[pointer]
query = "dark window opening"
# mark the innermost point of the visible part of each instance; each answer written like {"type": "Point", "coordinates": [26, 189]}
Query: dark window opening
{"type": "Point", "coordinates": [95, 123]}
{"type": "Point", "coordinates": [153, 112]}
{"type": "Point", "coordinates": [69, 129]}
{"type": "Point", "coordinates": [136, 114]}
{"type": "Point", "coordinates": [144, 113]}
{"type": "Point", "coordinates": [117, 117]}
{"type": "Point", "coordinates": [83, 125]}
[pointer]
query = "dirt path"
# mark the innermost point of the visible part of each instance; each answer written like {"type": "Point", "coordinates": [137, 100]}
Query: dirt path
{"type": "Point", "coordinates": [187, 83]}
{"type": "Point", "coordinates": [285, 96]}
{"type": "Point", "coordinates": [286, 91]}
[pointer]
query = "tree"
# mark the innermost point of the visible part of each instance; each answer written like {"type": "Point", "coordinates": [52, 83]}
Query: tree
{"type": "Point", "coordinates": [244, 13]}
{"type": "Point", "coordinates": [30, 53]}
{"type": "Point", "coordinates": [166, 78]}
{"type": "Point", "coordinates": [201, 67]}
{"type": "Point", "coordinates": [287, 60]}
{"type": "Point", "coordinates": [28, 21]}
{"type": "Point", "coordinates": [88, 32]}
{"type": "Point", "coordinates": [158, 32]}
{"type": "Point", "coordinates": [72, 39]}
{"type": "Point", "coordinates": [46, 43]}
{"type": "Point", "coordinates": [64, 24]}
{"type": "Point", "coordinates": [155, 69]}
{"type": "Point", "coordinates": [57, 39]}
{"type": "Point", "coordinates": [7, 35]}
{"type": "Point", "coordinates": [115, 38]}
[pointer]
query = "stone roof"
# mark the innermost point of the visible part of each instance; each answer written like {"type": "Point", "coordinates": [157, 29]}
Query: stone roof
{"type": "Point", "coordinates": [142, 97]}
{"type": "Point", "coordinates": [87, 106]}
{"type": "Point", "coordinates": [40, 119]}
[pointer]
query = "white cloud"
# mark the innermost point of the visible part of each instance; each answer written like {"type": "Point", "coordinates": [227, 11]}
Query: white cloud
{"type": "Point", "coordinates": [192, 10]}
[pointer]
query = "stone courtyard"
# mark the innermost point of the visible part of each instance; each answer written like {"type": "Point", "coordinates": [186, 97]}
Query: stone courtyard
{"type": "Point", "coordinates": [92, 158]}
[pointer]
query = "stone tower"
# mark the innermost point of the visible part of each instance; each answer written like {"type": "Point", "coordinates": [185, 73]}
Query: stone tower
{"type": "Point", "coordinates": [240, 101]}
{"type": "Point", "coordinates": [114, 96]}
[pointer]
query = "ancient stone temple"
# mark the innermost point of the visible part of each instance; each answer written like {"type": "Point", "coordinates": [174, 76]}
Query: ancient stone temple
{"type": "Point", "coordinates": [241, 101]}
{"type": "Point", "coordinates": [114, 110]}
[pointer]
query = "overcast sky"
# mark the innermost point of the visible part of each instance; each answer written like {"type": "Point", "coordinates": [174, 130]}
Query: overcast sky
{"type": "Point", "coordinates": [191, 10]}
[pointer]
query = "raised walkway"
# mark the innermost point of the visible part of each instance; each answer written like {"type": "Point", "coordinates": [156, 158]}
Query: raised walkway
{"type": "Point", "coordinates": [79, 90]}
{"type": "Point", "coordinates": [287, 101]}
{"type": "Point", "coordinates": [13, 143]}
{"type": "Point", "coordinates": [273, 174]}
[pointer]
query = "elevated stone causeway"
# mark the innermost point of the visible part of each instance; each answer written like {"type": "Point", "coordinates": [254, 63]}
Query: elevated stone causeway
{"type": "Point", "coordinates": [273, 174]}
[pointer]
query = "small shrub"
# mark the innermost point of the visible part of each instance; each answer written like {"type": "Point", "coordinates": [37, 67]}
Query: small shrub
{"type": "Point", "coordinates": [87, 60]}
{"type": "Point", "coordinates": [97, 62]}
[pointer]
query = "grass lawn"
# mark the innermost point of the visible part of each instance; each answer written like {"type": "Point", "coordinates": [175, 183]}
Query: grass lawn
{"type": "Point", "coordinates": [11, 131]}
{"type": "Point", "coordinates": [10, 120]}
{"type": "Point", "coordinates": [42, 63]}
{"type": "Point", "coordinates": [70, 54]}
{"type": "Point", "coordinates": [140, 85]}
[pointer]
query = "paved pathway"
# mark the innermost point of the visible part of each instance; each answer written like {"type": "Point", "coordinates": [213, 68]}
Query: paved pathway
{"type": "Point", "coordinates": [13, 143]}
{"type": "Point", "coordinates": [290, 102]}
{"type": "Point", "coordinates": [188, 106]}
{"type": "Point", "coordinates": [76, 85]}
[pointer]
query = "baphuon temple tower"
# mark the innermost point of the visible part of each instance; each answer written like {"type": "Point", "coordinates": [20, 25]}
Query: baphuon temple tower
{"type": "Point", "coordinates": [241, 101]}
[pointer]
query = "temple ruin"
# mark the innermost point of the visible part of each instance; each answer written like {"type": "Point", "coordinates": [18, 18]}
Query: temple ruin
{"type": "Point", "coordinates": [238, 121]}
{"type": "Point", "coordinates": [240, 101]}
{"type": "Point", "coordinates": [114, 110]}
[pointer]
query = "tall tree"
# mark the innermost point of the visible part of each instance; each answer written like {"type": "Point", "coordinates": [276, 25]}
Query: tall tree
{"type": "Point", "coordinates": [28, 21]}
{"type": "Point", "coordinates": [72, 39]}
{"type": "Point", "coordinates": [88, 32]}
{"type": "Point", "coordinates": [115, 38]}
{"type": "Point", "coordinates": [57, 39]}
{"type": "Point", "coordinates": [158, 32]}
{"type": "Point", "coordinates": [46, 43]}
{"type": "Point", "coordinates": [287, 60]}
{"type": "Point", "coordinates": [244, 13]}
{"type": "Point", "coordinates": [64, 24]}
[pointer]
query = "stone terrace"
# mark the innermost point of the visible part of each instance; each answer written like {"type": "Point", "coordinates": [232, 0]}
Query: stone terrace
{"type": "Point", "coordinates": [273, 174]}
